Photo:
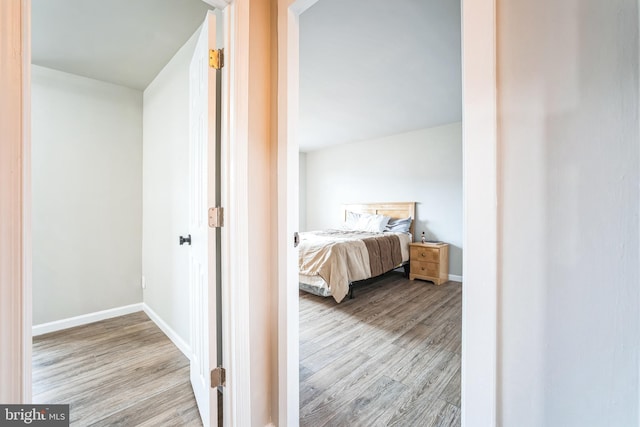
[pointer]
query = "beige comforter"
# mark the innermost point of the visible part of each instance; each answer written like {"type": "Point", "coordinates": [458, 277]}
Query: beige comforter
{"type": "Point", "coordinates": [342, 257]}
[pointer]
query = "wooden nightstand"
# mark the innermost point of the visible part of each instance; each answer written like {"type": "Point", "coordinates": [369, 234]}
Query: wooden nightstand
{"type": "Point", "coordinates": [429, 261]}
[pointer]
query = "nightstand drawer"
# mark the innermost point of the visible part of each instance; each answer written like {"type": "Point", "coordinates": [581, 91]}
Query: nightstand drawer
{"type": "Point", "coordinates": [425, 254]}
{"type": "Point", "coordinates": [423, 268]}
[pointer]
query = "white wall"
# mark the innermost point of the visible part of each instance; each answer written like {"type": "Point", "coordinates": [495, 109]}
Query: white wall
{"type": "Point", "coordinates": [569, 198]}
{"type": "Point", "coordinates": [87, 159]}
{"type": "Point", "coordinates": [165, 214]}
{"type": "Point", "coordinates": [302, 177]}
{"type": "Point", "coordinates": [424, 166]}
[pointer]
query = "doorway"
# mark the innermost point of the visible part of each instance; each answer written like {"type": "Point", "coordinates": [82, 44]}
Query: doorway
{"type": "Point", "coordinates": [479, 316]}
{"type": "Point", "coordinates": [376, 136]}
{"type": "Point", "coordinates": [480, 179]}
{"type": "Point", "coordinates": [16, 260]}
{"type": "Point", "coordinates": [125, 190]}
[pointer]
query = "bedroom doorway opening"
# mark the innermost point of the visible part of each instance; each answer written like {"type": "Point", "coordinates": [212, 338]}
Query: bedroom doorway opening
{"type": "Point", "coordinates": [480, 216]}
{"type": "Point", "coordinates": [371, 137]}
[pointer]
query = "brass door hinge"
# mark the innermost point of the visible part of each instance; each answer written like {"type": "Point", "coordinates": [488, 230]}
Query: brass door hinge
{"type": "Point", "coordinates": [216, 217]}
{"type": "Point", "coordinates": [218, 377]}
{"type": "Point", "coordinates": [216, 58]}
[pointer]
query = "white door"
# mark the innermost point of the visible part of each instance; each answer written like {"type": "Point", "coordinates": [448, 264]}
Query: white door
{"type": "Point", "coordinates": [202, 195]}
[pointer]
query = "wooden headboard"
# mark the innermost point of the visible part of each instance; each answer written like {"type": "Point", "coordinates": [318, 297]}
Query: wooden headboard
{"type": "Point", "coordinates": [393, 210]}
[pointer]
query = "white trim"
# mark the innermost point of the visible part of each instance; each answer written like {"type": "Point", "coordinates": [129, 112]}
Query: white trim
{"type": "Point", "coordinates": [15, 193]}
{"type": "Point", "coordinates": [228, 352]}
{"type": "Point", "coordinates": [236, 328]}
{"type": "Point", "coordinates": [480, 214]}
{"type": "Point", "coordinates": [288, 181]}
{"type": "Point", "coordinates": [85, 319]}
{"type": "Point", "coordinates": [27, 263]}
{"type": "Point", "coordinates": [168, 331]}
{"type": "Point", "coordinates": [455, 278]}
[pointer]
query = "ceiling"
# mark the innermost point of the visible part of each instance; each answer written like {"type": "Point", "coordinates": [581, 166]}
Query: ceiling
{"type": "Point", "coordinates": [367, 70]}
{"type": "Point", "coordinates": [373, 68]}
{"type": "Point", "coordinates": [126, 42]}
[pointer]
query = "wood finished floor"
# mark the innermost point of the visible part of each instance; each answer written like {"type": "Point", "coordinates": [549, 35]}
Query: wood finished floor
{"type": "Point", "coordinates": [391, 356]}
{"type": "Point", "coordinates": [117, 372]}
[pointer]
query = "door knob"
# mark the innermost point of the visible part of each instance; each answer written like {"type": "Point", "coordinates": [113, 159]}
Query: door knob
{"type": "Point", "coordinates": [184, 240]}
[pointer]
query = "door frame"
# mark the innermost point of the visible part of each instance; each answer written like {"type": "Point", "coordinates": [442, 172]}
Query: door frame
{"type": "Point", "coordinates": [15, 199]}
{"type": "Point", "coordinates": [480, 197]}
{"type": "Point", "coordinates": [234, 195]}
{"type": "Point", "coordinates": [480, 238]}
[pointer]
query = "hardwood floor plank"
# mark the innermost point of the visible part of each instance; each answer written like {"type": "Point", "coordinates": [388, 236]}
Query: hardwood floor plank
{"type": "Point", "coordinates": [449, 416]}
{"type": "Point", "coordinates": [121, 371]}
{"type": "Point", "coordinates": [454, 345]}
{"type": "Point", "coordinates": [387, 357]}
{"type": "Point", "coordinates": [398, 318]}
{"type": "Point", "coordinates": [440, 335]}
{"type": "Point", "coordinates": [171, 407]}
{"type": "Point", "coordinates": [373, 407]}
{"type": "Point", "coordinates": [324, 379]}
{"type": "Point", "coordinates": [346, 389]}
{"type": "Point", "coordinates": [308, 348]}
{"type": "Point", "coordinates": [430, 384]}
{"type": "Point", "coordinates": [451, 392]}
{"type": "Point", "coordinates": [423, 413]}
{"type": "Point", "coordinates": [362, 314]}
{"type": "Point", "coordinates": [304, 372]}
{"type": "Point", "coordinates": [415, 363]}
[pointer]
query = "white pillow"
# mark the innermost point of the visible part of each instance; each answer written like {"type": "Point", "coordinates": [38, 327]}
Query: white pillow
{"type": "Point", "coordinates": [399, 225]}
{"type": "Point", "coordinates": [376, 223]}
{"type": "Point", "coordinates": [350, 221]}
{"type": "Point", "coordinates": [365, 222]}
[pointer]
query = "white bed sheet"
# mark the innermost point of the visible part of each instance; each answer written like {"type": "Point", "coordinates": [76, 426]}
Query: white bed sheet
{"type": "Point", "coordinates": [322, 287]}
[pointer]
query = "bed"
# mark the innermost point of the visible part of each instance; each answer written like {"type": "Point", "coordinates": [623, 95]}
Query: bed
{"type": "Point", "coordinates": [330, 261]}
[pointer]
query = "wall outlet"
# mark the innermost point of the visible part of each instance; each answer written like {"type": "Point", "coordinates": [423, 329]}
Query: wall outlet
{"type": "Point", "coordinates": [143, 283]}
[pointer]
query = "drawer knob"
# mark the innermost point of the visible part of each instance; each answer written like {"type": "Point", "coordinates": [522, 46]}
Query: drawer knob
{"type": "Point", "coordinates": [423, 254]}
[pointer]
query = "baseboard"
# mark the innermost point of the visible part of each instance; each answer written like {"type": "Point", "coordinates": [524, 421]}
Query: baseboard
{"type": "Point", "coordinates": [455, 278]}
{"type": "Point", "coordinates": [170, 333]}
{"type": "Point", "coordinates": [84, 319]}
{"type": "Point", "coordinates": [97, 316]}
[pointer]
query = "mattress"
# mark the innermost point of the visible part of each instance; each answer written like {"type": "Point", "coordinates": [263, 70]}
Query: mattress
{"type": "Point", "coordinates": [330, 260]}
